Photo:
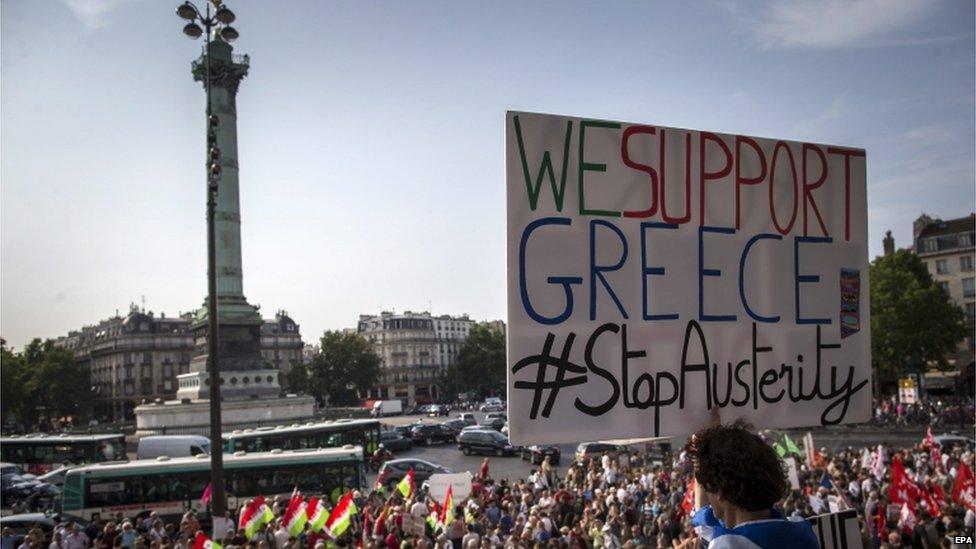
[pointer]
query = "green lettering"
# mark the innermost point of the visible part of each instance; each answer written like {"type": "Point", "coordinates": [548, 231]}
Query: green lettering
{"type": "Point", "coordinates": [545, 168]}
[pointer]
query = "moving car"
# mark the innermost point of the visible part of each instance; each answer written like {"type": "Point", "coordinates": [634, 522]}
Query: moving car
{"type": "Point", "coordinates": [394, 470]}
{"type": "Point", "coordinates": [468, 418]}
{"type": "Point", "coordinates": [455, 425]}
{"type": "Point", "coordinates": [429, 433]}
{"type": "Point", "coordinates": [483, 441]}
{"type": "Point", "coordinates": [536, 454]}
{"type": "Point", "coordinates": [395, 442]}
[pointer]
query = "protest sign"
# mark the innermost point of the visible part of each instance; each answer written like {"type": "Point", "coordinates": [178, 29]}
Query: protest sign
{"type": "Point", "coordinates": [791, 473]}
{"type": "Point", "coordinates": [837, 530]}
{"type": "Point", "coordinates": [460, 484]}
{"type": "Point", "coordinates": [654, 273]}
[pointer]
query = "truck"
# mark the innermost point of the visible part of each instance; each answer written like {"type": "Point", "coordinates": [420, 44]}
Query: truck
{"type": "Point", "coordinates": [387, 408]}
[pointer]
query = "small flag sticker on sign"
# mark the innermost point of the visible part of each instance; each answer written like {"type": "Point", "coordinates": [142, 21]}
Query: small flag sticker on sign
{"type": "Point", "coordinates": [850, 302]}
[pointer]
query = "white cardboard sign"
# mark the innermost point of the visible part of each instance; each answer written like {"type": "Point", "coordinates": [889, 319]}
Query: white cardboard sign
{"type": "Point", "coordinates": [654, 273]}
{"type": "Point", "coordinates": [460, 484]}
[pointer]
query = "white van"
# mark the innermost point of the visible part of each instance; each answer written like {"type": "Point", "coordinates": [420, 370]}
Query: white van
{"type": "Point", "coordinates": [172, 446]}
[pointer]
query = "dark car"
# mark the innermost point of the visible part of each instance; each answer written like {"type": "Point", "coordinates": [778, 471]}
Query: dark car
{"type": "Point", "coordinates": [455, 425]}
{"type": "Point", "coordinates": [495, 423]}
{"type": "Point", "coordinates": [468, 418]}
{"type": "Point", "coordinates": [14, 487]}
{"type": "Point", "coordinates": [484, 441]}
{"type": "Point", "coordinates": [395, 442]}
{"type": "Point", "coordinates": [536, 454]}
{"type": "Point", "coordinates": [430, 433]}
{"type": "Point", "coordinates": [437, 410]}
{"type": "Point", "coordinates": [404, 430]}
{"type": "Point", "coordinates": [394, 470]}
{"type": "Point", "coordinates": [590, 450]}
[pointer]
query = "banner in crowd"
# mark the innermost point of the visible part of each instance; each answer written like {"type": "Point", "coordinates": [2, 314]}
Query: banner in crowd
{"type": "Point", "coordinates": [654, 273]}
{"type": "Point", "coordinates": [838, 530]}
{"type": "Point", "coordinates": [460, 484]}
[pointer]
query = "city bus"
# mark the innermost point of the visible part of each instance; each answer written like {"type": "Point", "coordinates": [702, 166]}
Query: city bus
{"type": "Point", "coordinates": [326, 434]}
{"type": "Point", "coordinates": [173, 486]}
{"type": "Point", "coordinates": [40, 453]}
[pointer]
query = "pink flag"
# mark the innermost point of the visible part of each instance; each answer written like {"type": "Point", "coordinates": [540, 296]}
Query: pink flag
{"type": "Point", "coordinates": [207, 494]}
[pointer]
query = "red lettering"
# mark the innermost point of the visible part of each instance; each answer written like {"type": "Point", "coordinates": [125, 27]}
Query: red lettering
{"type": "Point", "coordinates": [808, 187]}
{"type": "Point", "coordinates": [847, 154]}
{"type": "Point", "coordinates": [631, 130]}
{"type": "Point", "coordinates": [705, 175]}
{"type": "Point", "coordinates": [664, 203]}
{"type": "Point", "coordinates": [772, 187]}
{"type": "Point", "coordinates": [739, 178]}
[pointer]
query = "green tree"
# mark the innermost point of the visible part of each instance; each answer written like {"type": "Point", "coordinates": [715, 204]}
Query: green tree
{"type": "Point", "coordinates": [346, 364]}
{"type": "Point", "coordinates": [480, 365]}
{"type": "Point", "coordinates": [297, 378]}
{"type": "Point", "coordinates": [912, 320]}
{"type": "Point", "coordinates": [44, 381]}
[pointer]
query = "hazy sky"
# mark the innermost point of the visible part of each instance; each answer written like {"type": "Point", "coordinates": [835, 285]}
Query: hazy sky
{"type": "Point", "coordinates": [371, 135]}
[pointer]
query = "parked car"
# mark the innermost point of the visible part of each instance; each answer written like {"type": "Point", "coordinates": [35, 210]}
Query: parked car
{"type": "Point", "coordinates": [455, 425]}
{"type": "Point", "coordinates": [394, 470]}
{"type": "Point", "coordinates": [429, 433]}
{"type": "Point", "coordinates": [495, 423]}
{"type": "Point", "coordinates": [404, 430]}
{"type": "Point", "coordinates": [493, 415]}
{"type": "Point", "coordinates": [589, 450]}
{"type": "Point", "coordinates": [437, 410]}
{"type": "Point", "coordinates": [484, 441]}
{"type": "Point", "coordinates": [948, 442]}
{"type": "Point", "coordinates": [536, 454]}
{"type": "Point", "coordinates": [395, 442]}
{"type": "Point", "coordinates": [468, 418]}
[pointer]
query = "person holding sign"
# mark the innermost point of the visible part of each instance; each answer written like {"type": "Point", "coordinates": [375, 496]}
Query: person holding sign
{"type": "Point", "coordinates": [739, 479]}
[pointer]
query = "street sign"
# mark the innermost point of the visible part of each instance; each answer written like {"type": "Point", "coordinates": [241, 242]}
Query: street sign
{"type": "Point", "coordinates": [654, 273]}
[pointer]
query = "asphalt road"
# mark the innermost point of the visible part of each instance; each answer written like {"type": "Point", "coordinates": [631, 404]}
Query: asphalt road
{"type": "Point", "coordinates": [834, 439]}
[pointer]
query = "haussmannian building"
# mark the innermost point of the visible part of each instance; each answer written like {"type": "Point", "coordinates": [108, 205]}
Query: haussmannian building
{"type": "Point", "coordinates": [135, 358]}
{"type": "Point", "coordinates": [947, 249]}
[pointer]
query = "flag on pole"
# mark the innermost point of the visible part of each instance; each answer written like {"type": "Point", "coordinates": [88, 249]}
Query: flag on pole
{"type": "Point", "coordinates": [381, 479]}
{"type": "Point", "coordinates": [203, 542]}
{"type": "Point", "coordinates": [341, 516]}
{"type": "Point", "coordinates": [317, 514]}
{"type": "Point", "coordinates": [902, 489]}
{"type": "Point", "coordinates": [380, 528]}
{"type": "Point", "coordinates": [908, 520]}
{"type": "Point", "coordinates": [207, 495]}
{"type": "Point", "coordinates": [295, 517]}
{"type": "Point", "coordinates": [780, 451]}
{"type": "Point", "coordinates": [434, 515]}
{"type": "Point", "coordinates": [808, 449]}
{"type": "Point", "coordinates": [255, 515]}
{"type": "Point", "coordinates": [880, 522]}
{"type": "Point", "coordinates": [865, 458]}
{"type": "Point", "coordinates": [931, 502]}
{"type": "Point", "coordinates": [825, 481]}
{"type": "Point", "coordinates": [688, 503]}
{"type": "Point", "coordinates": [878, 467]}
{"type": "Point", "coordinates": [929, 439]}
{"type": "Point", "coordinates": [406, 485]}
{"type": "Point", "coordinates": [964, 488]}
{"type": "Point", "coordinates": [790, 446]}
{"type": "Point", "coordinates": [447, 514]}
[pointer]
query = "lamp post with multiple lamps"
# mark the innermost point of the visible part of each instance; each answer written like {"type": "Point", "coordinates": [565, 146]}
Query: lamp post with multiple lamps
{"type": "Point", "coordinates": [218, 22]}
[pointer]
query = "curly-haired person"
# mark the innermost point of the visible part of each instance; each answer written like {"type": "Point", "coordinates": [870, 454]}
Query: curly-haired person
{"type": "Point", "coordinates": [739, 479]}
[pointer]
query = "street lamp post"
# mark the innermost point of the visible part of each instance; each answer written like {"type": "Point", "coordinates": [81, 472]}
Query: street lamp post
{"type": "Point", "coordinates": [220, 21]}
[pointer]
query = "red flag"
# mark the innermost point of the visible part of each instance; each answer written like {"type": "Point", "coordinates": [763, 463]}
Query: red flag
{"type": "Point", "coordinates": [881, 522]}
{"type": "Point", "coordinates": [939, 496]}
{"type": "Point", "coordinates": [380, 528]}
{"type": "Point", "coordinates": [929, 439]}
{"type": "Point", "coordinates": [203, 542]}
{"type": "Point", "coordinates": [689, 502]}
{"type": "Point", "coordinates": [207, 494]}
{"type": "Point", "coordinates": [908, 520]}
{"type": "Point", "coordinates": [964, 489]}
{"type": "Point", "coordinates": [902, 489]}
{"type": "Point", "coordinates": [931, 503]}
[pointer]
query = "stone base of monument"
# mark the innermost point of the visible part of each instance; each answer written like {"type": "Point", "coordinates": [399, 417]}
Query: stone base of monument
{"type": "Point", "coordinates": [176, 417]}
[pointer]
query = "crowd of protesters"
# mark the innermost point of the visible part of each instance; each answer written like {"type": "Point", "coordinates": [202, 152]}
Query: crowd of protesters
{"type": "Point", "coordinates": [911, 497]}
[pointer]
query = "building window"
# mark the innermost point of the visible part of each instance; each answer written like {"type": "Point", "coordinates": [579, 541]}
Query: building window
{"type": "Point", "coordinates": [929, 245]}
{"type": "Point", "coordinates": [971, 311]}
{"type": "Point", "coordinates": [966, 263]}
{"type": "Point", "coordinates": [941, 266]}
{"type": "Point", "coordinates": [945, 286]}
{"type": "Point", "coordinates": [967, 287]}
{"type": "Point", "coordinates": [966, 239]}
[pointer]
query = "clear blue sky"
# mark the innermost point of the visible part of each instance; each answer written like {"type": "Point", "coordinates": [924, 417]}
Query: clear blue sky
{"type": "Point", "coordinates": [371, 135]}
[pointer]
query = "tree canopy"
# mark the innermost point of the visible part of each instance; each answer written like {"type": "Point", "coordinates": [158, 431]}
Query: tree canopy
{"type": "Point", "coordinates": [43, 381]}
{"type": "Point", "coordinates": [913, 322]}
{"type": "Point", "coordinates": [480, 365]}
{"type": "Point", "coordinates": [345, 364]}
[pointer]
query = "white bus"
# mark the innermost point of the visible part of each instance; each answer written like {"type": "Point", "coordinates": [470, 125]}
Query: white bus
{"type": "Point", "coordinates": [324, 434]}
{"type": "Point", "coordinates": [173, 486]}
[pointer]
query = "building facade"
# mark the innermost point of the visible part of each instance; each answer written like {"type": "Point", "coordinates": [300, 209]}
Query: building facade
{"type": "Point", "coordinates": [947, 249]}
{"type": "Point", "coordinates": [135, 358]}
{"type": "Point", "coordinates": [282, 346]}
